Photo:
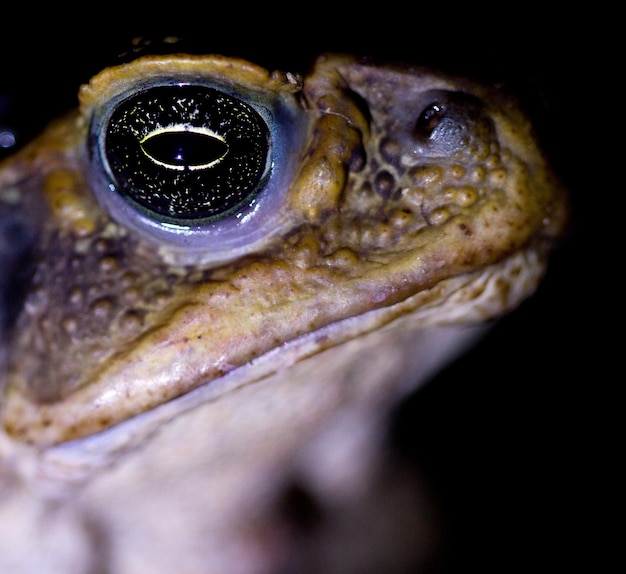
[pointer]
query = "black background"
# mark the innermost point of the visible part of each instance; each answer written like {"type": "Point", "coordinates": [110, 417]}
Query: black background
{"type": "Point", "coordinates": [511, 433]}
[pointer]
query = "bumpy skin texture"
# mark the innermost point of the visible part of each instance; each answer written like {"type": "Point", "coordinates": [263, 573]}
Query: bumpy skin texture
{"type": "Point", "coordinates": [395, 227]}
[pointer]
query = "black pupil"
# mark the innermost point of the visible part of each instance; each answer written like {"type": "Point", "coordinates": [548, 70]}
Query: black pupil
{"type": "Point", "coordinates": [187, 152]}
{"type": "Point", "coordinates": [184, 148]}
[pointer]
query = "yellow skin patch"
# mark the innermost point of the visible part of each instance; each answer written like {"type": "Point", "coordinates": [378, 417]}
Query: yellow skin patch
{"type": "Point", "coordinates": [372, 220]}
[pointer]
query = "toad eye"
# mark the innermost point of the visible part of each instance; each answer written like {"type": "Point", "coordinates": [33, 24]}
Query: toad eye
{"type": "Point", "coordinates": [194, 166]}
{"type": "Point", "coordinates": [187, 153]}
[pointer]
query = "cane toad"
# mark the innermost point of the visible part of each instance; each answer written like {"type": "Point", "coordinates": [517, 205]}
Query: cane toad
{"type": "Point", "coordinates": [227, 277]}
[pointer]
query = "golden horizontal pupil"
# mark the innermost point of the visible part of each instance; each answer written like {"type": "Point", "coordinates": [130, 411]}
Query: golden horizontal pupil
{"type": "Point", "coordinates": [182, 148]}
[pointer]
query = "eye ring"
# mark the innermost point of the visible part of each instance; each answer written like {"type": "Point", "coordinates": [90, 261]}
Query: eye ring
{"type": "Point", "coordinates": [249, 205]}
